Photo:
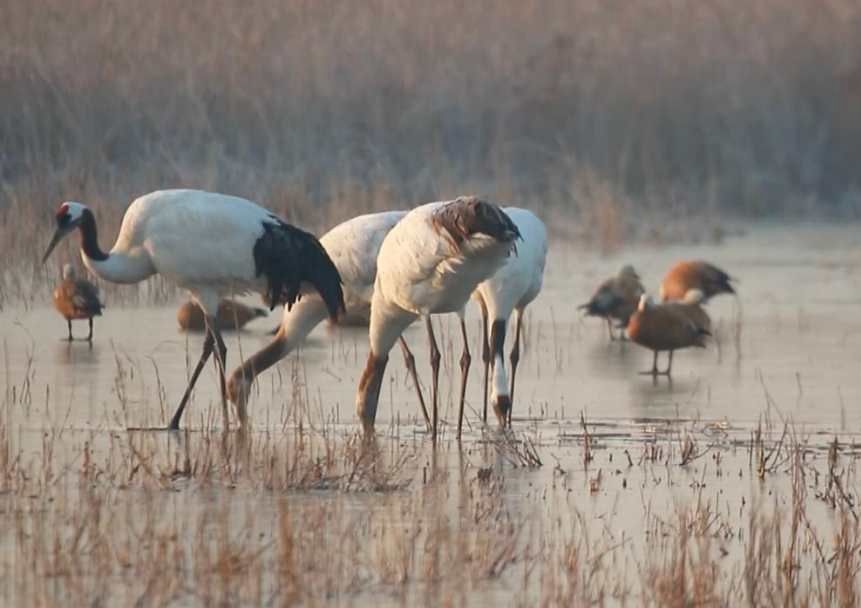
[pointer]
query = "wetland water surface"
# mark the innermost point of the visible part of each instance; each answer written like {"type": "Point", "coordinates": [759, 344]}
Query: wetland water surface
{"type": "Point", "coordinates": [705, 471]}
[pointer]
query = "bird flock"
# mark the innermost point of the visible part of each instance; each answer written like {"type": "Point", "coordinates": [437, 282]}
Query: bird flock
{"type": "Point", "coordinates": [384, 270]}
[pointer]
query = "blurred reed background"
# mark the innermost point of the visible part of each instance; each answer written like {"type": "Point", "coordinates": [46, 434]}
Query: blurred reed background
{"type": "Point", "coordinates": [616, 119]}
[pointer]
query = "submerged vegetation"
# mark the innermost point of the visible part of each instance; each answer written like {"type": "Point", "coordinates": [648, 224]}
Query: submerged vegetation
{"type": "Point", "coordinates": [695, 514]}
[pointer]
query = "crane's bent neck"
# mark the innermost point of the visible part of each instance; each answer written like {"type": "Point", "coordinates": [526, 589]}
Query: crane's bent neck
{"type": "Point", "coordinates": [388, 322]}
{"type": "Point", "coordinates": [116, 266]}
{"type": "Point", "coordinates": [90, 238]}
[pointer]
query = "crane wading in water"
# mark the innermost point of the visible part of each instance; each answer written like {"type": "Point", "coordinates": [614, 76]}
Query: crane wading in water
{"type": "Point", "coordinates": [353, 246]}
{"type": "Point", "coordinates": [213, 245]}
{"type": "Point", "coordinates": [430, 263]}
{"type": "Point", "coordinates": [509, 290]}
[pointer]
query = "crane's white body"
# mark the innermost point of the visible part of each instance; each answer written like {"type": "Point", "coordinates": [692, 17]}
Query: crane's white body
{"type": "Point", "coordinates": [422, 272]}
{"type": "Point", "coordinates": [353, 247]}
{"type": "Point", "coordinates": [212, 245]}
{"type": "Point", "coordinates": [514, 285]}
{"type": "Point", "coordinates": [201, 241]}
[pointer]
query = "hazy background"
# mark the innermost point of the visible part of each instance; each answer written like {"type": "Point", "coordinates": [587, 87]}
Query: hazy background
{"type": "Point", "coordinates": [653, 119]}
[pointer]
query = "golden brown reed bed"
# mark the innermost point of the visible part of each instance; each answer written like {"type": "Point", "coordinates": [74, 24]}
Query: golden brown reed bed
{"type": "Point", "coordinates": [599, 115]}
{"type": "Point", "coordinates": [314, 514]}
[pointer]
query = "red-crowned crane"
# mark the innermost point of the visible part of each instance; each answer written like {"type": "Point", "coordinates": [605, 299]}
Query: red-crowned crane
{"type": "Point", "coordinates": [76, 298]}
{"type": "Point", "coordinates": [511, 289]}
{"type": "Point", "coordinates": [695, 274]}
{"type": "Point", "coordinates": [353, 246]}
{"type": "Point", "coordinates": [212, 245]}
{"type": "Point", "coordinates": [430, 263]}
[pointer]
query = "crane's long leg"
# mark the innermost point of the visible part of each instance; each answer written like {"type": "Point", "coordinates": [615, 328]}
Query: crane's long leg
{"type": "Point", "coordinates": [515, 359]}
{"type": "Point", "coordinates": [485, 355]}
{"type": "Point", "coordinates": [208, 344]}
{"type": "Point", "coordinates": [465, 361]}
{"type": "Point", "coordinates": [434, 359]}
{"type": "Point", "coordinates": [90, 335]}
{"type": "Point", "coordinates": [220, 364]}
{"type": "Point", "coordinates": [410, 362]}
{"type": "Point", "coordinates": [69, 321]}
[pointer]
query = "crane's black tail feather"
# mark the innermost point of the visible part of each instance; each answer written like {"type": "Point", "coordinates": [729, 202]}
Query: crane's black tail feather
{"type": "Point", "coordinates": [287, 257]}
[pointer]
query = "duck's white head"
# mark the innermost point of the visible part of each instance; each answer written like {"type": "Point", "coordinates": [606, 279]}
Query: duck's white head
{"type": "Point", "coordinates": [694, 296]}
{"type": "Point", "coordinates": [69, 216]}
{"type": "Point", "coordinates": [68, 272]}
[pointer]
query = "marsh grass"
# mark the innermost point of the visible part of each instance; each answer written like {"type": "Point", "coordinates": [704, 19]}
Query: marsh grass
{"type": "Point", "coordinates": [314, 513]}
{"type": "Point", "coordinates": [654, 121]}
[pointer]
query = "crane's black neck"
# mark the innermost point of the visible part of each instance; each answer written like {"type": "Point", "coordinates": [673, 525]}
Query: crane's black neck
{"type": "Point", "coordinates": [90, 237]}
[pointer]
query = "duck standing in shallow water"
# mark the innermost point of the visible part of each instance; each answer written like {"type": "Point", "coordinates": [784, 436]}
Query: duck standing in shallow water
{"type": "Point", "coordinates": [616, 299]}
{"type": "Point", "coordinates": [77, 299]}
{"type": "Point", "coordinates": [231, 315]}
{"type": "Point", "coordinates": [664, 327]}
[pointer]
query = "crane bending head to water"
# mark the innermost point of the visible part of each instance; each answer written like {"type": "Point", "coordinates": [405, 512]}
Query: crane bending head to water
{"type": "Point", "coordinates": [353, 246]}
{"type": "Point", "coordinates": [430, 263]}
{"type": "Point", "coordinates": [509, 290]}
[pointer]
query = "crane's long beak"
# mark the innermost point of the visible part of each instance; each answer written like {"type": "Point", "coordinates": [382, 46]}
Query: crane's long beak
{"type": "Point", "coordinates": [58, 236]}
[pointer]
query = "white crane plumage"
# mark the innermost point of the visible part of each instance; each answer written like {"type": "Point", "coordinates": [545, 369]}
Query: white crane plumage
{"type": "Point", "coordinates": [430, 263]}
{"type": "Point", "coordinates": [509, 290]}
{"type": "Point", "coordinates": [213, 245]}
{"type": "Point", "coordinates": [353, 246]}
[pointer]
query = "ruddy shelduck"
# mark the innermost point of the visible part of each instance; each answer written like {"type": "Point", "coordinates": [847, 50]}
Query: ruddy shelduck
{"type": "Point", "coordinates": [76, 298]}
{"type": "Point", "coordinates": [664, 327]}
{"type": "Point", "coordinates": [695, 274]}
{"type": "Point", "coordinates": [691, 307]}
{"type": "Point", "coordinates": [231, 315]}
{"type": "Point", "coordinates": [616, 299]}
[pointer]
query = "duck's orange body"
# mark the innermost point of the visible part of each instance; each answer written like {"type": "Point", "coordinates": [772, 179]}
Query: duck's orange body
{"type": "Point", "coordinates": [231, 315]}
{"type": "Point", "coordinates": [77, 299]}
{"type": "Point", "coordinates": [695, 274]}
{"type": "Point", "coordinates": [665, 327]}
{"type": "Point", "coordinates": [691, 308]}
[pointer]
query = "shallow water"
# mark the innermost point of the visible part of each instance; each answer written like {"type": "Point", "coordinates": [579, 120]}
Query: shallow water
{"type": "Point", "coordinates": [794, 360]}
{"type": "Point", "coordinates": [800, 342]}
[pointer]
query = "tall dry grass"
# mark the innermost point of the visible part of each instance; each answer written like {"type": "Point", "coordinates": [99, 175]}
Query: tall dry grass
{"type": "Point", "coordinates": [588, 110]}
